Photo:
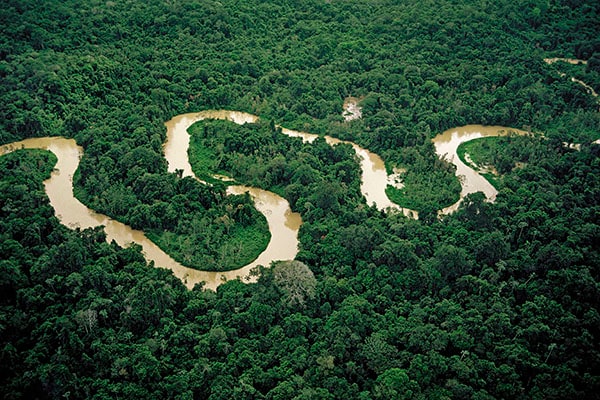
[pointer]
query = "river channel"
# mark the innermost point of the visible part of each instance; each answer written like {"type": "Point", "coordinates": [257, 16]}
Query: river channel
{"type": "Point", "coordinates": [446, 145]}
{"type": "Point", "coordinates": [283, 223]}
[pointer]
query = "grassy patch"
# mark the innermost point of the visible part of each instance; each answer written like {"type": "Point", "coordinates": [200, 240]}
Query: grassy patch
{"type": "Point", "coordinates": [425, 195]}
{"type": "Point", "coordinates": [483, 152]}
{"type": "Point", "coordinates": [204, 251]}
{"type": "Point", "coordinates": [494, 180]}
{"type": "Point", "coordinates": [399, 197]}
{"type": "Point", "coordinates": [203, 159]}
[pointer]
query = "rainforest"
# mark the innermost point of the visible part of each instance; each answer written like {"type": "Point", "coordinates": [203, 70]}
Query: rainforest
{"type": "Point", "coordinates": [303, 233]}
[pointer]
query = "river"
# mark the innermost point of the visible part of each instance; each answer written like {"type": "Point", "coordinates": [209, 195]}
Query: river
{"type": "Point", "coordinates": [283, 223]}
{"type": "Point", "coordinates": [374, 177]}
{"type": "Point", "coordinates": [446, 145]}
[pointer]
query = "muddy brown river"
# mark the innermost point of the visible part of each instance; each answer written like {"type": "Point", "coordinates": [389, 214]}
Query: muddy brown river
{"type": "Point", "coordinates": [283, 223]}
{"type": "Point", "coordinates": [446, 145]}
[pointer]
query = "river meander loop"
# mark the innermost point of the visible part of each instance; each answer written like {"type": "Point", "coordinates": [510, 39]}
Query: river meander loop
{"type": "Point", "coordinates": [283, 223]}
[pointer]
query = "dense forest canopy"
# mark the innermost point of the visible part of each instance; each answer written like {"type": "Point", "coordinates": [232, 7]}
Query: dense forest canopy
{"type": "Point", "coordinates": [499, 300]}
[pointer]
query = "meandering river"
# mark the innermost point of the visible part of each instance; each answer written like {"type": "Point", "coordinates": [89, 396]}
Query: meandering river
{"type": "Point", "coordinates": [446, 145]}
{"type": "Point", "coordinates": [283, 223]}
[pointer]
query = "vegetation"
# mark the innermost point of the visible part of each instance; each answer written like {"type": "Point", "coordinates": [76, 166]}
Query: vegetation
{"type": "Point", "coordinates": [425, 192]}
{"type": "Point", "coordinates": [227, 238]}
{"type": "Point", "coordinates": [496, 156]}
{"type": "Point", "coordinates": [588, 73]}
{"type": "Point", "coordinates": [495, 301]}
{"type": "Point", "coordinates": [314, 177]}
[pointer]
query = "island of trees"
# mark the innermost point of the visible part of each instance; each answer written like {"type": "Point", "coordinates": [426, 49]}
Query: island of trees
{"type": "Point", "coordinates": [497, 300]}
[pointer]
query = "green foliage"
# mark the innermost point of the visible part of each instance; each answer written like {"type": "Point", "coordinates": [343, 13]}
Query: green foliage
{"type": "Point", "coordinates": [429, 182]}
{"type": "Point", "coordinates": [495, 156]}
{"type": "Point", "coordinates": [217, 242]}
{"type": "Point", "coordinates": [496, 301]}
{"type": "Point", "coordinates": [314, 177]}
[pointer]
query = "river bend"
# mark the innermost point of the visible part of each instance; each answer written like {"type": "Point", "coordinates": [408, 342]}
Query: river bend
{"type": "Point", "coordinates": [283, 223]}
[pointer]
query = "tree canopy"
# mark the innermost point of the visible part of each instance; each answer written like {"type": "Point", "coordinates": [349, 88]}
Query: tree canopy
{"type": "Point", "coordinates": [498, 300]}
